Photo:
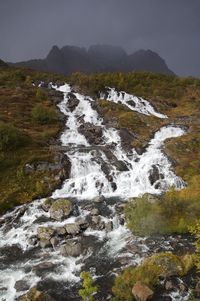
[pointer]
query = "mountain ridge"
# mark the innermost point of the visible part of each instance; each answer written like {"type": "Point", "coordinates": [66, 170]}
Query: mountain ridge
{"type": "Point", "coordinates": [98, 58]}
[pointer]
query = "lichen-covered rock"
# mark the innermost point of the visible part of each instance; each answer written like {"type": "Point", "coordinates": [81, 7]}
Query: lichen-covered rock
{"type": "Point", "coordinates": [169, 264]}
{"type": "Point", "coordinates": [45, 232]}
{"type": "Point", "coordinates": [35, 295]}
{"type": "Point", "coordinates": [142, 292]}
{"type": "Point", "coordinates": [47, 204]}
{"type": "Point", "coordinates": [44, 235]}
{"type": "Point", "coordinates": [60, 209]}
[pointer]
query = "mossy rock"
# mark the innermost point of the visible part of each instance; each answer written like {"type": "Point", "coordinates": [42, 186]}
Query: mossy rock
{"type": "Point", "coordinates": [170, 264]}
{"type": "Point", "coordinates": [35, 295]}
{"type": "Point", "coordinates": [60, 209]}
{"type": "Point", "coordinates": [149, 273]}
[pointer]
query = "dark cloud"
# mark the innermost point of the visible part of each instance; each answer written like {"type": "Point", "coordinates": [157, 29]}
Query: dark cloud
{"type": "Point", "coordinates": [29, 28]}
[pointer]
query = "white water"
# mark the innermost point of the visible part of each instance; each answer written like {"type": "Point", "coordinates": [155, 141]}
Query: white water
{"type": "Point", "coordinates": [87, 180]}
{"type": "Point", "coordinates": [134, 103]}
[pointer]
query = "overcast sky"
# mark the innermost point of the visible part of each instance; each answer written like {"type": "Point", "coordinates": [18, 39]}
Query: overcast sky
{"type": "Point", "coordinates": [29, 28]}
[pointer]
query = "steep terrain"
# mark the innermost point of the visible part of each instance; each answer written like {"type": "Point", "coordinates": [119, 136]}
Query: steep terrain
{"type": "Point", "coordinates": [98, 58]}
{"type": "Point", "coordinates": [116, 131]}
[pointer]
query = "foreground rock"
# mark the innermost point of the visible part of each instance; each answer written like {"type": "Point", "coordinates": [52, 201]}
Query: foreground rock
{"type": "Point", "coordinates": [35, 295]}
{"type": "Point", "coordinates": [60, 209]}
{"type": "Point", "coordinates": [142, 292]}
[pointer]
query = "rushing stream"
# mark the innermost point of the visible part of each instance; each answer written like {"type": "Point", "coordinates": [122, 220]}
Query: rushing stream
{"type": "Point", "coordinates": [104, 169]}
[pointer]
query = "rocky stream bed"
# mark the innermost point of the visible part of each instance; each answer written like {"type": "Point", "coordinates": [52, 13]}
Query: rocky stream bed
{"type": "Point", "coordinates": [47, 243]}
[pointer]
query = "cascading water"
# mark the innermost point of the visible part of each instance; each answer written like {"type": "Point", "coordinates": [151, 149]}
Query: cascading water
{"type": "Point", "coordinates": [94, 172]}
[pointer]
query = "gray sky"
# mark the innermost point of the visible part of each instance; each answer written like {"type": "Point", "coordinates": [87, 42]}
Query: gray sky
{"type": "Point", "coordinates": [29, 28]}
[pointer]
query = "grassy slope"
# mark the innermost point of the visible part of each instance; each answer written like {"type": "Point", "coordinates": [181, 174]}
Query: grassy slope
{"type": "Point", "coordinates": [17, 99]}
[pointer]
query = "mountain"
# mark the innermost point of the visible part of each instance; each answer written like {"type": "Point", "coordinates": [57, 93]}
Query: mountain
{"type": "Point", "coordinates": [98, 58]}
{"type": "Point", "coordinates": [3, 64]}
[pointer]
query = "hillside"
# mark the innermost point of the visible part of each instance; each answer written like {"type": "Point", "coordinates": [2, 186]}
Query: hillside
{"type": "Point", "coordinates": [106, 172]}
{"type": "Point", "coordinates": [98, 58]}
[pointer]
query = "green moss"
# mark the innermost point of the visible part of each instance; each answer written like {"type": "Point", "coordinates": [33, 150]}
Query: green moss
{"type": "Point", "coordinates": [149, 273]}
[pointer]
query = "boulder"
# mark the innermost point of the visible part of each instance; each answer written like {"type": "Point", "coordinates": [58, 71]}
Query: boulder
{"type": "Point", "coordinates": [41, 267]}
{"type": "Point", "coordinates": [72, 229]}
{"type": "Point", "coordinates": [45, 232]}
{"type": "Point", "coordinates": [21, 285]}
{"type": "Point", "coordinates": [60, 209]}
{"type": "Point", "coordinates": [71, 248]}
{"type": "Point", "coordinates": [72, 102]}
{"type": "Point", "coordinates": [142, 292]}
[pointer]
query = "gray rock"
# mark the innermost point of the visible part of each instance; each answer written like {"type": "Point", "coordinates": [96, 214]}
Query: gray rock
{"type": "Point", "coordinates": [99, 199]}
{"type": "Point", "coordinates": [72, 229]}
{"type": "Point", "coordinates": [54, 241]}
{"type": "Point", "coordinates": [94, 211]}
{"type": "Point", "coordinates": [109, 226]}
{"type": "Point", "coordinates": [71, 248]}
{"type": "Point", "coordinates": [21, 285]}
{"type": "Point", "coordinates": [60, 209]}
{"type": "Point", "coordinates": [61, 231]}
{"type": "Point", "coordinates": [96, 219]}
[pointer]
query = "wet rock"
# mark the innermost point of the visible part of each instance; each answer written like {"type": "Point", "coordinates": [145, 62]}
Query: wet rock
{"type": "Point", "coordinates": [60, 209]}
{"type": "Point", "coordinates": [35, 295]}
{"type": "Point", "coordinates": [114, 186]}
{"type": "Point", "coordinates": [44, 235]}
{"type": "Point", "coordinates": [94, 211]}
{"type": "Point", "coordinates": [32, 240]}
{"type": "Point", "coordinates": [142, 292]}
{"type": "Point", "coordinates": [72, 102]}
{"type": "Point", "coordinates": [169, 285]}
{"type": "Point", "coordinates": [61, 231]}
{"type": "Point", "coordinates": [72, 229]}
{"type": "Point", "coordinates": [71, 248]}
{"type": "Point", "coordinates": [45, 232]}
{"type": "Point", "coordinates": [54, 241]}
{"type": "Point", "coordinates": [92, 133]}
{"type": "Point", "coordinates": [96, 219]}
{"type": "Point", "coordinates": [182, 287]}
{"type": "Point", "coordinates": [109, 226]}
{"type": "Point", "coordinates": [47, 204]}
{"type": "Point", "coordinates": [154, 175]}
{"type": "Point", "coordinates": [99, 199]}
{"type": "Point", "coordinates": [21, 285]}
{"type": "Point", "coordinates": [40, 268]}
{"type": "Point", "coordinates": [82, 223]}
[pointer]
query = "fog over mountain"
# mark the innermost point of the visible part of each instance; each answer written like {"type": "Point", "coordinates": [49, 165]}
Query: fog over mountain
{"type": "Point", "coordinates": [98, 58]}
{"type": "Point", "coordinates": [28, 29]}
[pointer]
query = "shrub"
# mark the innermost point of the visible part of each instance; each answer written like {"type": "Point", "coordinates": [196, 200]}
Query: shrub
{"type": "Point", "coordinates": [40, 94]}
{"type": "Point", "coordinates": [89, 289]}
{"type": "Point", "coordinates": [11, 137]}
{"type": "Point", "coordinates": [44, 115]}
{"type": "Point", "coordinates": [174, 212]}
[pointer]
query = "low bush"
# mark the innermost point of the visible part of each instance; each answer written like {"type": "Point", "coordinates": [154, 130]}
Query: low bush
{"type": "Point", "coordinates": [44, 115]}
{"type": "Point", "coordinates": [11, 137]}
{"type": "Point", "coordinates": [172, 213]}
